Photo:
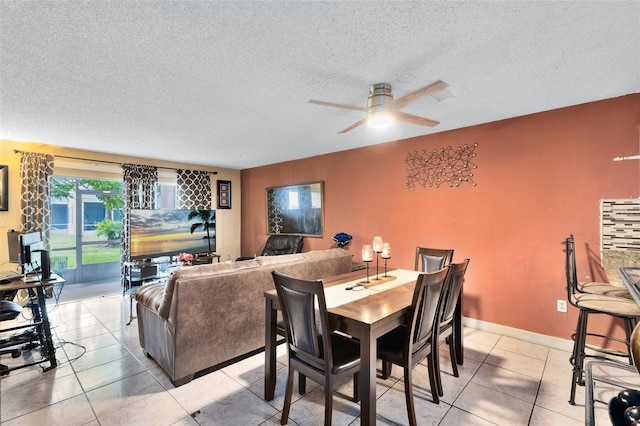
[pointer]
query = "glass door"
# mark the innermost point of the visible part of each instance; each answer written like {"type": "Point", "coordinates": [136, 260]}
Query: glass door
{"type": "Point", "coordinates": [86, 223]}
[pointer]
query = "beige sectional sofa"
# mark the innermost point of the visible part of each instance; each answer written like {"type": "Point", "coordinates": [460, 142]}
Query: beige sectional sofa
{"type": "Point", "coordinates": [207, 315]}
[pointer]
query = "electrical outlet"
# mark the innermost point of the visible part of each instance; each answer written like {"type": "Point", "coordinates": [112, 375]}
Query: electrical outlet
{"type": "Point", "coordinates": [562, 305]}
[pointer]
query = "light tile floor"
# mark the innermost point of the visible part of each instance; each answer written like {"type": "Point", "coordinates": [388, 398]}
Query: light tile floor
{"type": "Point", "coordinates": [103, 378]}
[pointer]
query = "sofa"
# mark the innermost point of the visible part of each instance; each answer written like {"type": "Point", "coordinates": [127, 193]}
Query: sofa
{"type": "Point", "coordinates": [206, 316]}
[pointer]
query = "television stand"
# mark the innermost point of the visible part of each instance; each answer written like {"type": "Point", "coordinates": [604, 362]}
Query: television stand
{"type": "Point", "coordinates": [140, 272]}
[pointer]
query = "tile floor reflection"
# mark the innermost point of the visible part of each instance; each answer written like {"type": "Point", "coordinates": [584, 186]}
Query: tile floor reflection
{"type": "Point", "coordinates": [103, 378]}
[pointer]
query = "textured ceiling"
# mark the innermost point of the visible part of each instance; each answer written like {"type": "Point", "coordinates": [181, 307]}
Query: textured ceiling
{"type": "Point", "coordinates": [227, 83]}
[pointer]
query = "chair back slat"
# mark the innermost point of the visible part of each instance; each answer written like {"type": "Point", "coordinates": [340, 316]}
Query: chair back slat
{"type": "Point", "coordinates": [424, 309]}
{"type": "Point", "coordinates": [431, 260]}
{"type": "Point", "coordinates": [304, 311]}
{"type": "Point", "coordinates": [301, 305]}
{"type": "Point", "coordinates": [455, 277]}
{"type": "Point", "coordinates": [570, 267]}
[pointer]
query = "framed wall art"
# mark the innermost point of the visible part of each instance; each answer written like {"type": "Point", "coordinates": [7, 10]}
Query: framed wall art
{"type": "Point", "coordinates": [296, 209]}
{"type": "Point", "coordinates": [4, 188]}
{"type": "Point", "coordinates": [224, 194]}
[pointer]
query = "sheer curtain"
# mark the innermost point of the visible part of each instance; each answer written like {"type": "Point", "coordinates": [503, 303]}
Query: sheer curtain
{"type": "Point", "coordinates": [35, 190]}
{"type": "Point", "coordinates": [194, 190]}
{"type": "Point", "coordinates": [139, 193]}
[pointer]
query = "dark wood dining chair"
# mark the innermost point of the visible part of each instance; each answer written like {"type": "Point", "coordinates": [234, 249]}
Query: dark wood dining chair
{"type": "Point", "coordinates": [455, 279]}
{"type": "Point", "coordinates": [412, 342]}
{"type": "Point", "coordinates": [431, 259]}
{"type": "Point", "coordinates": [590, 304]}
{"type": "Point", "coordinates": [312, 349]}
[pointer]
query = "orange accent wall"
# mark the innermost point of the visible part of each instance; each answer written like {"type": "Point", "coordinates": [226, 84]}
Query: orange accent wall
{"type": "Point", "coordinates": [539, 178]}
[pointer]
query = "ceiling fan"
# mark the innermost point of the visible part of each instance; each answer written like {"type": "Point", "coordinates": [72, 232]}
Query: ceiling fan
{"type": "Point", "coordinates": [382, 109]}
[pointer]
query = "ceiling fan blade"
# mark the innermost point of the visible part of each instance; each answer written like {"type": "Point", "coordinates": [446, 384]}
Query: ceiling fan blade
{"type": "Point", "coordinates": [417, 94]}
{"type": "Point", "coordinates": [354, 125]}
{"type": "Point", "coordinates": [414, 119]}
{"type": "Point", "coordinates": [334, 105]}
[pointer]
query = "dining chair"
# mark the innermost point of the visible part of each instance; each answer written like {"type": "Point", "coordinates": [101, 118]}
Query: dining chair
{"type": "Point", "coordinates": [455, 279]}
{"type": "Point", "coordinates": [312, 349]}
{"type": "Point", "coordinates": [589, 304]}
{"type": "Point", "coordinates": [593, 287]}
{"type": "Point", "coordinates": [412, 342]}
{"type": "Point", "coordinates": [430, 259]}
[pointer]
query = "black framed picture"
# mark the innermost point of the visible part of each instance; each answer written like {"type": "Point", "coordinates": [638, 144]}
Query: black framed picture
{"type": "Point", "coordinates": [224, 194]}
{"type": "Point", "coordinates": [4, 188]}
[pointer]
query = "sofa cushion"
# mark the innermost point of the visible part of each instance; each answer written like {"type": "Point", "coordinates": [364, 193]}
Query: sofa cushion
{"type": "Point", "coordinates": [324, 254]}
{"type": "Point", "coordinates": [278, 260]}
{"type": "Point", "coordinates": [194, 272]}
{"type": "Point", "coordinates": [151, 295]}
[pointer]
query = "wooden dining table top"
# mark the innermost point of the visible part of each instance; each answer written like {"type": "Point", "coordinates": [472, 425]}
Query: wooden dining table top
{"type": "Point", "coordinates": [378, 300]}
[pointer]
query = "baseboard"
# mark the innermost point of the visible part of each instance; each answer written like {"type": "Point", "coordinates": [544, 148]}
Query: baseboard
{"type": "Point", "coordinates": [527, 336]}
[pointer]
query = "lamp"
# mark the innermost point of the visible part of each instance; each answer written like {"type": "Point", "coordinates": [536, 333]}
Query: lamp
{"type": "Point", "coordinates": [379, 96]}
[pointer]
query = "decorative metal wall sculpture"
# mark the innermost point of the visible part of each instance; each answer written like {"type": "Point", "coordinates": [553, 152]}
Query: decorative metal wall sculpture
{"type": "Point", "coordinates": [447, 166]}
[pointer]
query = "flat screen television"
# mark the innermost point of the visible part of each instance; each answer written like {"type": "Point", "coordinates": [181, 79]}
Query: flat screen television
{"type": "Point", "coordinates": [157, 233]}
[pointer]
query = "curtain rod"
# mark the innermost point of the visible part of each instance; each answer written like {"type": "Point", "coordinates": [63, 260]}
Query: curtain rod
{"type": "Point", "coordinates": [17, 151]}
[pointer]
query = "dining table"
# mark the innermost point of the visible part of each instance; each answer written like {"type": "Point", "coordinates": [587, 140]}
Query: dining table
{"type": "Point", "coordinates": [365, 315]}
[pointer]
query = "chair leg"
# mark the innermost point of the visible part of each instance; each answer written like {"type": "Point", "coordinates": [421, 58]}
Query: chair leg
{"type": "Point", "coordinates": [386, 369]}
{"type": "Point", "coordinates": [408, 394]}
{"type": "Point", "coordinates": [433, 381]}
{"type": "Point", "coordinates": [287, 398]}
{"type": "Point", "coordinates": [356, 387]}
{"type": "Point", "coordinates": [328, 399]}
{"type": "Point", "coordinates": [435, 355]}
{"type": "Point", "coordinates": [454, 364]}
{"type": "Point", "coordinates": [577, 358]}
{"type": "Point", "coordinates": [302, 383]}
{"type": "Point", "coordinates": [454, 358]}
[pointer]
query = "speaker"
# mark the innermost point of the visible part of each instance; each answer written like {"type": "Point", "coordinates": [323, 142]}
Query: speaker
{"type": "Point", "coordinates": [45, 264]}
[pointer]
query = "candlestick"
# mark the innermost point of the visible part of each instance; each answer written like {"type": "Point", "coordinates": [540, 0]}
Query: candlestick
{"type": "Point", "coordinates": [378, 244]}
{"type": "Point", "coordinates": [386, 254]}
{"type": "Point", "coordinates": [367, 256]}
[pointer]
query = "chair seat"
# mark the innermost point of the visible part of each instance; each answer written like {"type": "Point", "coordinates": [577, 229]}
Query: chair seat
{"type": "Point", "coordinates": [346, 353]}
{"type": "Point", "coordinates": [606, 304]}
{"type": "Point", "coordinates": [391, 345]}
{"type": "Point", "coordinates": [604, 288]}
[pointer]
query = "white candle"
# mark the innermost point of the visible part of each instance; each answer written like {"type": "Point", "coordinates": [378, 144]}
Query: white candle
{"type": "Point", "coordinates": [367, 253]}
{"type": "Point", "coordinates": [386, 251]}
{"type": "Point", "coordinates": [377, 244]}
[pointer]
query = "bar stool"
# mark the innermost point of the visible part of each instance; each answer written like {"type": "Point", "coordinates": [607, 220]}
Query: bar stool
{"type": "Point", "coordinates": [617, 307]}
{"type": "Point", "coordinates": [593, 287]}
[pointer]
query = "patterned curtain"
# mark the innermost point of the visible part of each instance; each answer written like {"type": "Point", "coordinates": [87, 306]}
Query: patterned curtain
{"type": "Point", "coordinates": [35, 204]}
{"type": "Point", "coordinates": [139, 193]}
{"type": "Point", "coordinates": [194, 190]}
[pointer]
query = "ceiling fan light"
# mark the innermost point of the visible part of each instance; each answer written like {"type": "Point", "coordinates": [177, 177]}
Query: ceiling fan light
{"type": "Point", "coordinates": [379, 119]}
{"type": "Point", "coordinates": [379, 96]}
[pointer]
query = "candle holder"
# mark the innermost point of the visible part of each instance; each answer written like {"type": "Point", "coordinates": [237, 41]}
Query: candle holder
{"type": "Point", "coordinates": [386, 254]}
{"type": "Point", "coordinates": [367, 257]}
{"type": "Point", "coordinates": [366, 262]}
{"type": "Point", "coordinates": [378, 245]}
